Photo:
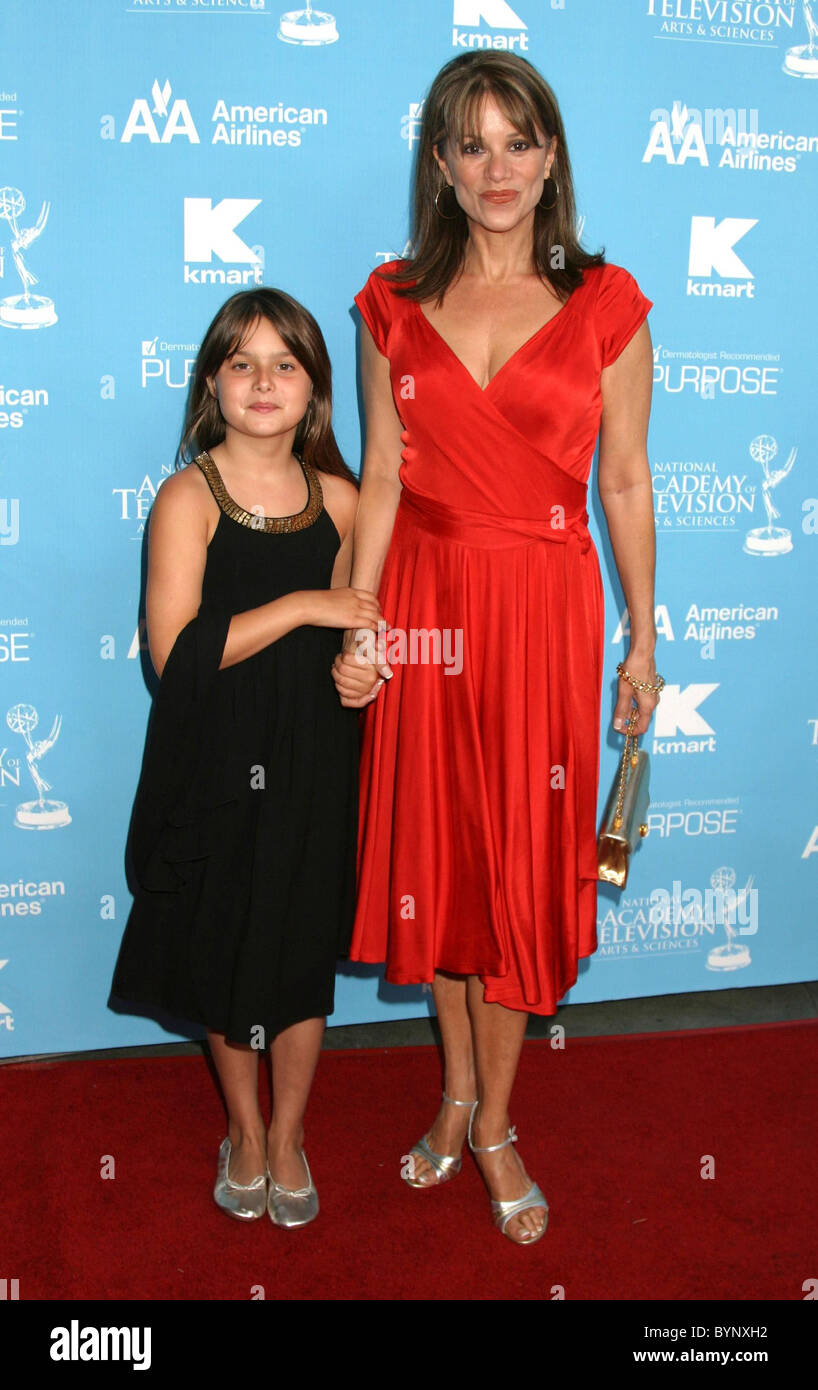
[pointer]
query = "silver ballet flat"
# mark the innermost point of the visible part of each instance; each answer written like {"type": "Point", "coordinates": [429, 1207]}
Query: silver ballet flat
{"type": "Point", "coordinates": [502, 1212]}
{"type": "Point", "coordinates": [247, 1203]}
{"type": "Point", "coordinates": [289, 1206]}
{"type": "Point", "coordinates": [445, 1166]}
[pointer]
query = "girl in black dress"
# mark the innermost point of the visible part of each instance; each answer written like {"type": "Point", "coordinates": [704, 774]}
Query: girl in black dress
{"type": "Point", "coordinates": [243, 837]}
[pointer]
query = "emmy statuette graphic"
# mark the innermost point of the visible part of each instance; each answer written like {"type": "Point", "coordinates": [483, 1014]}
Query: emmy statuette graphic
{"type": "Point", "coordinates": [41, 814]}
{"type": "Point", "coordinates": [24, 310]}
{"type": "Point", "coordinates": [307, 26]}
{"type": "Point", "coordinates": [802, 61]}
{"type": "Point", "coordinates": [731, 956]}
{"type": "Point", "coordinates": [769, 539]}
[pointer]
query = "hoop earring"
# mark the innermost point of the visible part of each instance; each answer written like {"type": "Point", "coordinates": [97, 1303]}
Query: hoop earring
{"type": "Point", "coordinates": [451, 217]}
{"type": "Point", "coordinates": [549, 187]}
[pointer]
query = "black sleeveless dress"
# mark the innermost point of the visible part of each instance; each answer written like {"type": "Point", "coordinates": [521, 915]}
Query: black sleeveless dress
{"type": "Point", "coordinates": [243, 837]}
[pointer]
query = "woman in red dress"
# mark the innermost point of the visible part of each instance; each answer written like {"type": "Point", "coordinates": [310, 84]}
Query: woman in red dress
{"type": "Point", "coordinates": [491, 360]}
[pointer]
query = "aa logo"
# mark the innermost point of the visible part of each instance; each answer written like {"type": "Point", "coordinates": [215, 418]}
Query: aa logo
{"type": "Point", "coordinates": [160, 120]}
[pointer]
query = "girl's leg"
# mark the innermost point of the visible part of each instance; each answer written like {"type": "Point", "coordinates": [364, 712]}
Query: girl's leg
{"type": "Point", "coordinates": [238, 1073]}
{"type": "Point", "coordinates": [448, 1132]}
{"type": "Point", "coordinates": [294, 1057]}
{"type": "Point", "coordinates": [498, 1038]}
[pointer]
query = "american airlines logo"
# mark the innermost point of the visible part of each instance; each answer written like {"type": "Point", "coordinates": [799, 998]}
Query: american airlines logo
{"type": "Point", "coordinates": [684, 133]}
{"type": "Point", "coordinates": [725, 137]}
{"type": "Point", "coordinates": [160, 120]}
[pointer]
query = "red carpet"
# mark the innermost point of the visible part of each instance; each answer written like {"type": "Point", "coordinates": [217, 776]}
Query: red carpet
{"type": "Point", "coordinates": [614, 1130]}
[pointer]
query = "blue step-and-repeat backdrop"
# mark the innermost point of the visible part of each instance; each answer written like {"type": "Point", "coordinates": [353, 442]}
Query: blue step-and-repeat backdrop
{"type": "Point", "coordinates": [157, 154]}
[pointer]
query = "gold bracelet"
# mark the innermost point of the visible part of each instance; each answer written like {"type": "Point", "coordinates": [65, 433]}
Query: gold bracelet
{"type": "Point", "coordinates": [644, 686]}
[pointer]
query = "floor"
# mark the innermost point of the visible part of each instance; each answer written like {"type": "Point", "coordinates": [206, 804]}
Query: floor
{"type": "Point", "coordinates": [724, 1008]}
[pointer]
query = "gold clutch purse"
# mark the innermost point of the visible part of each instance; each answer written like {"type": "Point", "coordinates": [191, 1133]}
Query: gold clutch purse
{"type": "Point", "coordinates": [625, 821]}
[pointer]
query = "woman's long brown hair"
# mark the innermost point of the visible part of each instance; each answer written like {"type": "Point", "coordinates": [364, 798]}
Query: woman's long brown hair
{"type": "Point", "coordinates": [204, 424]}
{"type": "Point", "coordinates": [450, 113]}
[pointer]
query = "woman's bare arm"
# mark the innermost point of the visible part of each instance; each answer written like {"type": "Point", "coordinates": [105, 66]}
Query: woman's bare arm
{"type": "Point", "coordinates": [380, 484]}
{"type": "Point", "coordinates": [375, 519]}
{"type": "Point", "coordinates": [626, 493]}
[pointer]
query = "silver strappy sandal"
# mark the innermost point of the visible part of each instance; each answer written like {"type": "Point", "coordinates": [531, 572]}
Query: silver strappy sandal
{"type": "Point", "coordinates": [446, 1166]}
{"type": "Point", "coordinates": [502, 1212]}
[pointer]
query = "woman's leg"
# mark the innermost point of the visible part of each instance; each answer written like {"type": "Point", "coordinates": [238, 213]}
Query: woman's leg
{"type": "Point", "coordinates": [238, 1073]}
{"type": "Point", "coordinates": [498, 1038]}
{"type": "Point", "coordinates": [448, 1132]}
{"type": "Point", "coordinates": [294, 1054]}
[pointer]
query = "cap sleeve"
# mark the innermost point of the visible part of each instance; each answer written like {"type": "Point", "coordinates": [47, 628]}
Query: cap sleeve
{"type": "Point", "coordinates": [376, 304]}
{"type": "Point", "coordinates": [620, 308]}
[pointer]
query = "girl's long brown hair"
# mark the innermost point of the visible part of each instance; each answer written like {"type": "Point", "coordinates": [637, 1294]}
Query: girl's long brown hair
{"type": "Point", "coordinates": [451, 112]}
{"type": "Point", "coordinates": [204, 424]}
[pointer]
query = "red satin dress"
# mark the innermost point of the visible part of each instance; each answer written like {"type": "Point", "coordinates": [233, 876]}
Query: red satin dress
{"type": "Point", "coordinates": [479, 771]}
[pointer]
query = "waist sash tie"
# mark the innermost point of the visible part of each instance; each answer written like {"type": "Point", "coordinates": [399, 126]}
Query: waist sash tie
{"type": "Point", "coordinates": [493, 531]}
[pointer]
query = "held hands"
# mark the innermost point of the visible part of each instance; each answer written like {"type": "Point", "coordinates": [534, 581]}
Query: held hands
{"type": "Point", "coordinates": [344, 608]}
{"type": "Point", "coordinates": [357, 678]}
{"type": "Point", "coordinates": [359, 613]}
{"type": "Point", "coordinates": [642, 667]}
